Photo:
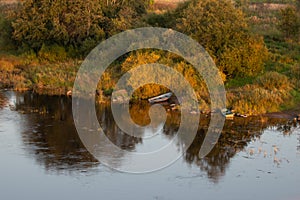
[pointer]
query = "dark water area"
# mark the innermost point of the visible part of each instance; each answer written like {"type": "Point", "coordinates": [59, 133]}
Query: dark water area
{"type": "Point", "coordinates": [42, 156]}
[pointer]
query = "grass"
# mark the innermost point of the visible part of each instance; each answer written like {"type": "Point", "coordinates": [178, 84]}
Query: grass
{"type": "Point", "coordinates": [271, 1]}
{"type": "Point", "coordinates": [255, 95]}
{"type": "Point", "coordinates": [248, 95]}
{"type": "Point", "coordinates": [21, 73]}
{"type": "Point", "coordinates": [294, 101]}
{"type": "Point", "coordinates": [239, 82]}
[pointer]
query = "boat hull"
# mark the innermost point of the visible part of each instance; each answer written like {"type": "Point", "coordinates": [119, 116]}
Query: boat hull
{"type": "Point", "coordinates": [160, 98]}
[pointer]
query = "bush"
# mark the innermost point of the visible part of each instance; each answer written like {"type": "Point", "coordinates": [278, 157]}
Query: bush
{"type": "Point", "coordinates": [6, 42]}
{"type": "Point", "coordinates": [59, 21]}
{"type": "Point", "coordinates": [274, 80]}
{"type": "Point", "coordinates": [294, 73]}
{"type": "Point", "coordinates": [74, 23]}
{"type": "Point", "coordinates": [188, 72]}
{"type": "Point", "coordinates": [289, 23]}
{"type": "Point", "coordinates": [52, 53]}
{"type": "Point", "coordinates": [246, 59]}
{"type": "Point", "coordinates": [253, 99]}
{"type": "Point", "coordinates": [6, 66]}
{"type": "Point", "coordinates": [222, 29]}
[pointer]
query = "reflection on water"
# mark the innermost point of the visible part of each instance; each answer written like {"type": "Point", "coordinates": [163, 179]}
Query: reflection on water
{"type": "Point", "coordinates": [50, 136]}
{"type": "Point", "coordinates": [3, 100]}
{"type": "Point", "coordinates": [235, 138]}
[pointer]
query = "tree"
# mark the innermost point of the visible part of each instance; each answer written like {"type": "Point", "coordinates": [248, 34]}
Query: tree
{"type": "Point", "coordinates": [125, 14]}
{"type": "Point", "coordinates": [6, 42]}
{"type": "Point", "coordinates": [246, 59]}
{"type": "Point", "coordinates": [213, 23]}
{"type": "Point", "coordinates": [222, 29]}
{"type": "Point", "coordinates": [289, 22]}
{"type": "Point", "coordinates": [59, 21]}
{"type": "Point", "coordinates": [77, 23]}
{"type": "Point", "coordinates": [189, 73]}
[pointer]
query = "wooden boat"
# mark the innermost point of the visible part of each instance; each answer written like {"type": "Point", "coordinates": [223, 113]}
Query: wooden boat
{"type": "Point", "coordinates": [228, 113]}
{"type": "Point", "coordinates": [240, 115]}
{"type": "Point", "coordinates": [160, 98]}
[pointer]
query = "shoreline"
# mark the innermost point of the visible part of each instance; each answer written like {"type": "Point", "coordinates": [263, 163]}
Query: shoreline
{"type": "Point", "coordinates": [289, 114]}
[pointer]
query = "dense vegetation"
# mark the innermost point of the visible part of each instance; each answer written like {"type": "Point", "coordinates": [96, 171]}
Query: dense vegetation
{"type": "Point", "coordinates": [74, 25]}
{"type": "Point", "coordinates": [255, 46]}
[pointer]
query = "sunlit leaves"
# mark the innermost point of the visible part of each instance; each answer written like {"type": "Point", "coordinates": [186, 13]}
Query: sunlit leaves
{"type": "Point", "coordinates": [222, 29]}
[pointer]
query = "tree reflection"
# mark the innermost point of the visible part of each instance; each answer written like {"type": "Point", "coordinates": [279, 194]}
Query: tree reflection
{"type": "Point", "coordinates": [235, 138]}
{"type": "Point", "coordinates": [3, 101]}
{"type": "Point", "coordinates": [50, 135]}
{"type": "Point", "coordinates": [52, 139]}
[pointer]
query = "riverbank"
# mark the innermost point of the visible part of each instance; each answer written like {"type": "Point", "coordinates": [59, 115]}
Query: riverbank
{"type": "Point", "coordinates": [259, 78]}
{"type": "Point", "coordinates": [22, 73]}
{"type": "Point", "coordinates": [272, 92]}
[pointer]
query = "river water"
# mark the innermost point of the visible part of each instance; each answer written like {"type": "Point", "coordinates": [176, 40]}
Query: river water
{"type": "Point", "coordinates": [42, 157]}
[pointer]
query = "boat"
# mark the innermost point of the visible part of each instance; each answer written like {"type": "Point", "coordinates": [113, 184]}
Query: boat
{"type": "Point", "coordinates": [160, 98]}
{"type": "Point", "coordinates": [228, 113]}
{"type": "Point", "coordinates": [240, 115]}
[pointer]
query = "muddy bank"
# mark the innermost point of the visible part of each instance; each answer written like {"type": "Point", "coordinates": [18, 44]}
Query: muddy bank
{"type": "Point", "coordinates": [293, 114]}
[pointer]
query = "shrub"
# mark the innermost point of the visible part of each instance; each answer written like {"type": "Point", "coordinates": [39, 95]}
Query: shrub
{"type": "Point", "coordinates": [253, 99]}
{"type": "Point", "coordinates": [6, 42]}
{"type": "Point", "coordinates": [246, 59]}
{"type": "Point", "coordinates": [52, 53]}
{"type": "Point", "coordinates": [222, 29]}
{"type": "Point", "coordinates": [6, 66]}
{"type": "Point", "coordinates": [274, 80]}
{"type": "Point", "coordinates": [289, 23]}
{"type": "Point", "coordinates": [294, 73]}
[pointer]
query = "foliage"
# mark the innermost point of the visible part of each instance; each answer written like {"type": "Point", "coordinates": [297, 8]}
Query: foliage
{"type": "Point", "coordinates": [124, 15]}
{"type": "Point", "coordinates": [274, 80]}
{"type": "Point", "coordinates": [139, 58]}
{"type": "Point", "coordinates": [6, 42]}
{"type": "Point", "coordinates": [65, 22]}
{"type": "Point", "coordinates": [222, 29]}
{"type": "Point", "coordinates": [269, 93]}
{"type": "Point", "coordinates": [52, 53]}
{"type": "Point", "coordinates": [49, 32]}
{"type": "Point", "coordinates": [79, 24]}
{"type": "Point", "coordinates": [289, 23]}
{"type": "Point", "coordinates": [248, 59]}
{"type": "Point", "coordinates": [252, 99]}
{"type": "Point", "coordinates": [294, 74]}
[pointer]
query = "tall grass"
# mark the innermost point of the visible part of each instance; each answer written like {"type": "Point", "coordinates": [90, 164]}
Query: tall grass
{"type": "Point", "coordinates": [267, 94]}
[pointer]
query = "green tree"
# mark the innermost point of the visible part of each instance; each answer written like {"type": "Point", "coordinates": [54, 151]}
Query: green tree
{"type": "Point", "coordinates": [125, 14]}
{"type": "Point", "coordinates": [139, 58]}
{"type": "Point", "coordinates": [289, 22]}
{"type": "Point", "coordinates": [59, 21]}
{"type": "Point", "coordinates": [212, 22]}
{"type": "Point", "coordinates": [76, 23]}
{"type": "Point", "coordinates": [222, 29]}
{"type": "Point", "coordinates": [245, 59]}
{"type": "Point", "coordinates": [6, 42]}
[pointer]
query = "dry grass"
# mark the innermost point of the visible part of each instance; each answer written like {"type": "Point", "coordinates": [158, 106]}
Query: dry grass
{"type": "Point", "coordinates": [21, 73]}
{"type": "Point", "coordinates": [267, 6]}
{"type": "Point", "coordinates": [5, 2]}
{"type": "Point", "coordinates": [161, 6]}
{"type": "Point", "coordinates": [268, 94]}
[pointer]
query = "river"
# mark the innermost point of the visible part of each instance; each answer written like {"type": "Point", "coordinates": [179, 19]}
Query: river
{"type": "Point", "coordinates": [42, 157]}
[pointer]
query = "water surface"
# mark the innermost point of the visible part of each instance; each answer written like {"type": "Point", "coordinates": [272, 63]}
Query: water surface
{"type": "Point", "coordinates": [42, 157]}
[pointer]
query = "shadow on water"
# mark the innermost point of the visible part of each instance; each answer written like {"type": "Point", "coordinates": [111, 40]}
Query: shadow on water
{"type": "Point", "coordinates": [3, 101]}
{"type": "Point", "coordinates": [50, 135]}
{"type": "Point", "coordinates": [52, 140]}
{"type": "Point", "coordinates": [235, 138]}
